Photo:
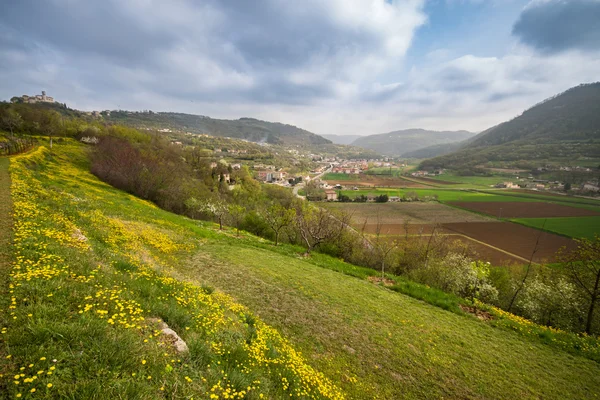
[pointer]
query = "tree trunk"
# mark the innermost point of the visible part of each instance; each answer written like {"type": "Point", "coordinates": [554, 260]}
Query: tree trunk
{"type": "Point", "coordinates": [276, 238]}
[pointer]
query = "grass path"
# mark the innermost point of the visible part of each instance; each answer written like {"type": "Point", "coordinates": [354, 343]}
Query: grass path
{"type": "Point", "coordinates": [5, 220]}
{"type": "Point", "coordinates": [380, 344]}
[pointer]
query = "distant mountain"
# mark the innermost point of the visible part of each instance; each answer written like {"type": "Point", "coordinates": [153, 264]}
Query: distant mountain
{"type": "Point", "coordinates": [399, 143]}
{"type": "Point", "coordinates": [250, 129]}
{"type": "Point", "coordinates": [563, 127]}
{"type": "Point", "coordinates": [342, 139]}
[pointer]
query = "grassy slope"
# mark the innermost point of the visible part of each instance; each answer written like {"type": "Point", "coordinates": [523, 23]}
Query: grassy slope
{"type": "Point", "coordinates": [91, 270]}
{"type": "Point", "coordinates": [393, 345]}
{"type": "Point", "coordinates": [5, 224]}
{"type": "Point", "coordinates": [370, 341]}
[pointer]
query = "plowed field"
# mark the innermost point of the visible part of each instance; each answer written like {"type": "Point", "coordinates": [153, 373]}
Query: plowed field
{"type": "Point", "coordinates": [515, 239]}
{"type": "Point", "coordinates": [518, 209]}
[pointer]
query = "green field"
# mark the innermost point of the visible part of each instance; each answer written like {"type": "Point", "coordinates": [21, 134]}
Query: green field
{"type": "Point", "coordinates": [474, 181]}
{"type": "Point", "coordinates": [340, 177]}
{"type": "Point", "coordinates": [575, 227]}
{"type": "Point", "coordinates": [95, 264]}
{"type": "Point", "coordinates": [444, 195]}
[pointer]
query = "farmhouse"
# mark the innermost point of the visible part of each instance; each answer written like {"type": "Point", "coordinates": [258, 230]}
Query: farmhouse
{"type": "Point", "coordinates": [331, 195]}
{"type": "Point", "coordinates": [271, 176]}
{"type": "Point", "coordinates": [507, 185]}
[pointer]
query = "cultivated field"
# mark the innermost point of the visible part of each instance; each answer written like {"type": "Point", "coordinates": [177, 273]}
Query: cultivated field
{"type": "Point", "coordinates": [519, 209]}
{"type": "Point", "coordinates": [421, 220]}
{"type": "Point", "coordinates": [516, 239]}
{"type": "Point", "coordinates": [409, 212]}
{"type": "Point", "coordinates": [474, 248]}
{"type": "Point", "coordinates": [443, 195]}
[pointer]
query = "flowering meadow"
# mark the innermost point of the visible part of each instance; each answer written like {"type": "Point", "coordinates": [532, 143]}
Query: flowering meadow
{"type": "Point", "coordinates": [92, 276]}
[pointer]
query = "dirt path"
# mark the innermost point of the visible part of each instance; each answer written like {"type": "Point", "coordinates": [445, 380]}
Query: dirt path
{"type": "Point", "coordinates": [5, 221]}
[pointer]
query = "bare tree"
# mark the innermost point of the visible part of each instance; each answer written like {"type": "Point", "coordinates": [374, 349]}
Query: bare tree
{"type": "Point", "coordinates": [237, 213]}
{"type": "Point", "coordinates": [528, 270]}
{"type": "Point", "coordinates": [583, 266]}
{"type": "Point", "coordinates": [278, 218]}
{"type": "Point", "coordinates": [381, 246]}
{"type": "Point", "coordinates": [316, 226]}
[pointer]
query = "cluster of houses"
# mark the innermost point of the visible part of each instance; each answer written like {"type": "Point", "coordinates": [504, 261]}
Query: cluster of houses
{"type": "Point", "coordinates": [539, 184]}
{"type": "Point", "coordinates": [564, 168]}
{"type": "Point", "coordinates": [420, 174]}
{"type": "Point", "coordinates": [38, 98]}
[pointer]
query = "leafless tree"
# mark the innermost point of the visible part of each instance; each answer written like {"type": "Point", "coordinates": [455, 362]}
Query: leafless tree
{"type": "Point", "coordinates": [583, 266]}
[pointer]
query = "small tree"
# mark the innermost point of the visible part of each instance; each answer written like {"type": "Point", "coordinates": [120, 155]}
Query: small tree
{"type": "Point", "coordinates": [316, 226]}
{"type": "Point", "coordinates": [382, 198]}
{"type": "Point", "coordinates": [278, 218]}
{"type": "Point", "coordinates": [583, 267]}
{"type": "Point", "coordinates": [237, 213]}
{"type": "Point", "coordinates": [217, 208]}
{"type": "Point", "coordinates": [49, 122]}
{"type": "Point", "coordinates": [381, 246]}
{"type": "Point", "coordinates": [11, 120]}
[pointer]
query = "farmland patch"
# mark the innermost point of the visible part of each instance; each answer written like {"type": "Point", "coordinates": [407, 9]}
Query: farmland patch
{"type": "Point", "coordinates": [576, 227]}
{"type": "Point", "coordinates": [401, 213]}
{"type": "Point", "coordinates": [519, 209]}
{"type": "Point", "coordinates": [516, 239]}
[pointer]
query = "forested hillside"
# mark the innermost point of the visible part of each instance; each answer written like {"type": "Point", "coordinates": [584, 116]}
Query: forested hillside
{"type": "Point", "coordinates": [563, 128]}
{"type": "Point", "coordinates": [244, 128]}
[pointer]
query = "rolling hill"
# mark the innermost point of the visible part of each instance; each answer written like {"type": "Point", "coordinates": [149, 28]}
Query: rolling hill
{"type": "Point", "coordinates": [250, 129]}
{"type": "Point", "coordinates": [398, 143]}
{"type": "Point", "coordinates": [565, 127]}
{"type": "Point", "coordinates": [93, 268]}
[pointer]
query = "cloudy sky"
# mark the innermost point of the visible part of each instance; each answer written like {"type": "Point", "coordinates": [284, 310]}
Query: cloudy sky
{"type": "Point", "coordinates": [330, 66]}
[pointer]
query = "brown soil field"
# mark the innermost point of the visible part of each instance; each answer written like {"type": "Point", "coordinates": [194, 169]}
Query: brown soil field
{"type": "Point", "coordinates": [398, 214]}
{"type": "Point", "coordinates": [517, 209]}
{"type": "Point", "coordinates": [487, 253]}
{"type": "Point", "coordinates": [422, 232]}
{"type": "Point", "coordinates": [398, 229]}
{"type": "Point", "coordinates": [514, 238]}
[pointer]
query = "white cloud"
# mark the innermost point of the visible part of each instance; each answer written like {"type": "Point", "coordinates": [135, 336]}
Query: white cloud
{"type": "Point", "coordinates": [328, 66]}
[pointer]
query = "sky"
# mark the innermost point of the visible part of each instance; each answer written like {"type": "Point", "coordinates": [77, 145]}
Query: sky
{"type": "Point", "coordinates": [330, 66]}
